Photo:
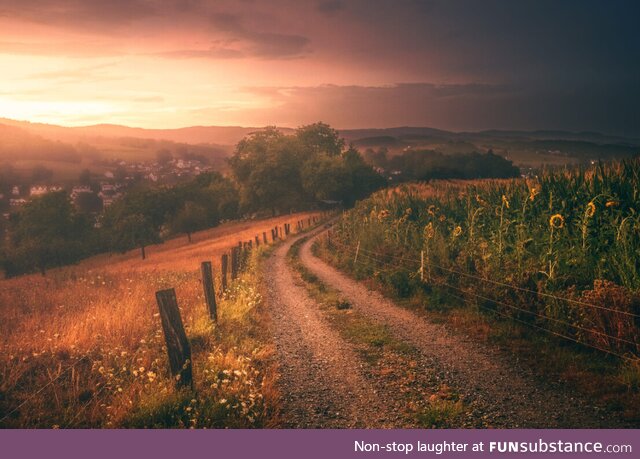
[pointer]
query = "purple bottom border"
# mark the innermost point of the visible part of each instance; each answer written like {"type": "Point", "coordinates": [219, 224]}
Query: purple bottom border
{"type": "Point", "coordinates": [312, 444]}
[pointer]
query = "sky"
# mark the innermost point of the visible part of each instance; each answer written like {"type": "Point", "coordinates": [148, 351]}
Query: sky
{"type": "Point", "coordinates": [457, 65]}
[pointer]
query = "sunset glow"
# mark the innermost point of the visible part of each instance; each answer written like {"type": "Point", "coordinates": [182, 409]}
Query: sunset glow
{"type": "Point", "coordinates": [165, 63]}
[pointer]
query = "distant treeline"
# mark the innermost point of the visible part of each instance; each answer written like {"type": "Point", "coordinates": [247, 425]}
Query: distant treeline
{"type": "Point", "coordinates": [271, 173]}
{"type": "Point", "coordinates": [429, 164]}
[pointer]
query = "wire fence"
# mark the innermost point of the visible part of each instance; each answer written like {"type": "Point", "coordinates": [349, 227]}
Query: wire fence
{"type": "Point", "coordinates": [416, 267]}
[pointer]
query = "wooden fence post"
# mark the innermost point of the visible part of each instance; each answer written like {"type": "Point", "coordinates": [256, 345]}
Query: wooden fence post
{"type": "Point", "coordinates": [264, 237]}
{"type": "Point", "coordinates": [175, 337]}
{"type": "Point", "coordinates": [234, 262]}
{"type": "Point", "coordinates": [224, 265]}
{"type": "Point", "coordinates": [209, 289]}
{"type": "Point", "coordinates": [257, 242]}
{"type": "Point", "coordinates": [355, 259]}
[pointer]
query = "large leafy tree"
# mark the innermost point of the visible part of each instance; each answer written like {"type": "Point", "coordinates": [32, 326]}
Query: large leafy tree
{"type": "Point", "coordinates": [190, 218]}
{"type": "Point", "coordinates": [47, 232]}
{"type": "Point", "coordinates": [267, 167]}
{"type": "Point", "coordinates": [320, 138]}
{"type": "Point", "coordinates": [137, 219]}
{"type": "Point", "coordinates": [326, 178]}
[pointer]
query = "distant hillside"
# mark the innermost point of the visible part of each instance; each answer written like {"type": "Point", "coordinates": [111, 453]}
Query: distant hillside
{"type": "Point", "coordinates": [524, 148]}
{"type": "Point", "coordinates": [221, 135]}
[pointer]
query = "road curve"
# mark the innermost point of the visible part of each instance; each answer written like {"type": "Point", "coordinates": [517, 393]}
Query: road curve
{"type": "Point", "coordinates": [321, 378]}
{"type": "Point", "coordinates": [497, 393]}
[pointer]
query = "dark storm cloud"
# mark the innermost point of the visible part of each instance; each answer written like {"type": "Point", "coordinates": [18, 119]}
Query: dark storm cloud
{"type": "Point", "coordinates": [330, 7]}
{"type": "Point", "coordinates": [496, 63]}
{"type": "Point", "coordinates": [83, 14]}
{"type": "Point", "coordinates": [458, 107]}
{"type": "Point", "coordinates": [257, 43]}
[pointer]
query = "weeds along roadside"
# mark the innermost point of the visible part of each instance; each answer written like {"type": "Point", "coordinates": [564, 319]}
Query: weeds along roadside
{"type": "Point", "coordinates": [109, 369]}
{"type": "Point", "coordinates": [508, 232]}
{"type": "Point", "coordinates": [392, 365]}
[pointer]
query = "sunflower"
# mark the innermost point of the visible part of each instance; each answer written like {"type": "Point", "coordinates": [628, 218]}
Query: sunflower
{"type": "Point", "coordinates": [457, 231]}
{"type": "Point", "coordinates": [429, 232]}
{"type": "Point", "coordinates": [612, 203]}
{"type": "Point", "coordinates": [505, 201]}
{"type": "Point", "coordinates": [533, 192]}
{"type": "Point", "coordinates": [442, 218]}
{"type": "Point", "coordinates": [556, 221]}
{"type": "Point", "coordinates": [591, 210]}
{"type": "Point", "coordinates": [481, 201]}
{"type": "Point", "coordinates": [431, 210]}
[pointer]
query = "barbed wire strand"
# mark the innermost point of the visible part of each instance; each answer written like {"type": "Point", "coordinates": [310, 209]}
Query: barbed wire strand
{"type": "Point", "coordinates": [36, 393]}
{"type": "Point", "coordinates": [502, 284]}
{"type": "Point", "coordinates": [365, 255]}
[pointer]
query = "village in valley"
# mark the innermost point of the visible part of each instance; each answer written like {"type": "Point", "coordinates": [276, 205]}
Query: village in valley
{"type": "Point", "coordinates": [93, 192]}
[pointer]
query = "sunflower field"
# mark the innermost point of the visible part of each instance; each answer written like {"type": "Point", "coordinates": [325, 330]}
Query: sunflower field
{"type": "Point", "coordinates": [559, 252]}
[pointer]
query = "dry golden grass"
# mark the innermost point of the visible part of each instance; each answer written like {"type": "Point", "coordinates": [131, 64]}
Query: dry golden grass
{"type": "Point", "coordinates": [91, 336]}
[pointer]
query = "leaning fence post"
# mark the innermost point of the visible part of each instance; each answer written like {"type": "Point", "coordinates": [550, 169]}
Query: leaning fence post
{"type": "Point", "coordinates": [175, 337]}
{"type": "Point", "coordinates": [209, 289]}
{"type": "Point", "coordinates": [234, 263]}
{"type": "Point", "coordinates": [224, 262]}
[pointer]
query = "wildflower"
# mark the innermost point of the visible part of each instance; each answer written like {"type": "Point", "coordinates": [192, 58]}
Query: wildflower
{"type": "Point", "coordinates": [442, 218]}
{"type": "Point", "coordinates": [591, 209]}
{"type": "Point", "coordinates": [533, 192]}
{"type": "Point", "coordinates": [556, 221]}
{"type": "Point", "coordinates": [505, 201]}
{"type": "Point", "coordinates": [431, 210]}
{"type": "Point", "coordinates": [429, 232]}
{"type": "Point", "coordinates": [480, 200]}
{"type": "Point", "coordinates": [612, 203]}
{"type": "Point", "coordinates": [457, 231]}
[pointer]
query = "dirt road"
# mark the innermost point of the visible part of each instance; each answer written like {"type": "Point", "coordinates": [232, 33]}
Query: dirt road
{"type": "Point", "coordinates": [496, 391]}
{"type": "Point", "coordinates": [321, 380]}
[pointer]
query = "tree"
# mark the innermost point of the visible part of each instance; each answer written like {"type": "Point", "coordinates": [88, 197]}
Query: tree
{"type": "Point", "coordinates": [364, 179]}
{"type": "Point", "coordinates": [47, 232]}
{"type": "Point", "coordinates": [189, 219]}
{"type": "Point", "coordinates": [326, 178]}
{"type": "Point", "coordinates": [266, 165]}
{"type": "Point", "coordinates": [136, 219]}
{"type": "Point", "coordinates": [134, 230]}
{"type": "Point", "coordinates": [320, 138]}
{"type": "Point", "coordinates": [88, 203]}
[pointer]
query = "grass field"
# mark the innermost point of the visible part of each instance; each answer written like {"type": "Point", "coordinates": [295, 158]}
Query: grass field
{"type": "Point", "coordinates": [83, 347]}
